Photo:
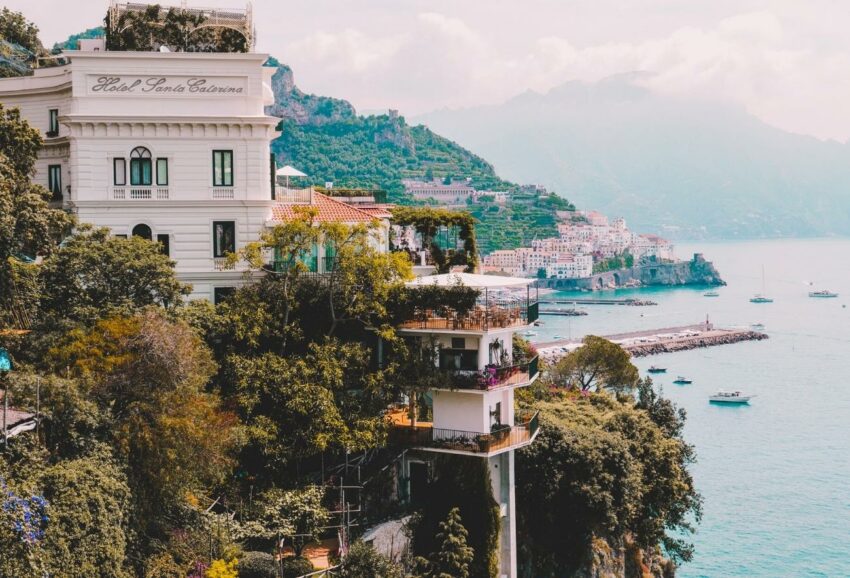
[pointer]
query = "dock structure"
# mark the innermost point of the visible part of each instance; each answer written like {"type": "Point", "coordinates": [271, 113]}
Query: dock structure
{"type": "Point", "coordinates": [655, 341]}
{"type": "Point", "coordinates": [630, 301]}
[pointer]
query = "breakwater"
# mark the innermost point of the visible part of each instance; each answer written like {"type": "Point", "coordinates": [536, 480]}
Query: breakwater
{"type": "Point", "coordinates": [628, 301]}
{"type": "Point", "coordinates": [656, 341]}
{"type": "Point", "coordinates": [697, 271]}
{"type": "Point", "coordinates": [563, 312]}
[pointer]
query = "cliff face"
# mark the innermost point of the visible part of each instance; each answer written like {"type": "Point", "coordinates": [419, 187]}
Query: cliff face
{"type": "Point", "coordinates": [697, 271]}
{"type": "Point", "coordinates": [305, 109]}
{"type": "Point", "coordinates": [619, 558]}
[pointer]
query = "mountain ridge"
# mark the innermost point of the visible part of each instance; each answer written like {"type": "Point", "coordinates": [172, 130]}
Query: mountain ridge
{"type": "Point", "coordinates": [684, 168]}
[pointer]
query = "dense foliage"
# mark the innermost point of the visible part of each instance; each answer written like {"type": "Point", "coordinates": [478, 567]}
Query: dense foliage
{"type": "Point", "coordinates": [28, 227]}
{"type": "Point", "coordinates": [604, 468]}
{"type": "Point", "coordinates": [461, 483]}
{"type": "Point", "coordinates": [429, 222]}
{"type": "Point", "coordinates": [146, 28]}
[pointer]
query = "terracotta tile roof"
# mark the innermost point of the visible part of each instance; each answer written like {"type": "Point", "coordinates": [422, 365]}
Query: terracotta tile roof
{"type": "Point", "coordinates": [378, 211]}
{"type": "Point", "coordinates": [329, 210]}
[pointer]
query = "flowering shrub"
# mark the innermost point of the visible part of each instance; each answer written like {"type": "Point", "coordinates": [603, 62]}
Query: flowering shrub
{"type": "Point", "coordinates": [222, 569]}
{"type": "Point", "coordinates": [25, 516]}
{"type": "Point", "coordinates": [23, 520]}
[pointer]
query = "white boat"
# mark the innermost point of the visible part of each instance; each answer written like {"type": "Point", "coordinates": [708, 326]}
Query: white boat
{"type": "Point", "coordinates": [730, 397]}
{"type": "Point", "coordinates": [761, 297]}
{"type": "Point", "coordinates": [530, 333]}
{"type": "Point", "coordinates": [822, 294]}
{"type": "Point", "coordinates": [681, 380]}
{"type": "Point", "coordinates": [711, 294]}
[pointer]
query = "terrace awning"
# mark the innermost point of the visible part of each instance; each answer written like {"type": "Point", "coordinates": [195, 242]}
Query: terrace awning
{"type": "Point", "coordinates": [473, 280]}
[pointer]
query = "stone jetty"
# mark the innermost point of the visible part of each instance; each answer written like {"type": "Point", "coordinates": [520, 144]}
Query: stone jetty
{"type": "Point", "coordinates": [655, 341]}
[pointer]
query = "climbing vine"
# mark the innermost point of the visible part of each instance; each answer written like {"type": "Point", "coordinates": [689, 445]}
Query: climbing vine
{"type": "Point", "coordinates": [429, 222]}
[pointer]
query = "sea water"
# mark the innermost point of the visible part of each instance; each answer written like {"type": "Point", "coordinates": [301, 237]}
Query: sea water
{"type": "Point", "coordinates": [774, 474]}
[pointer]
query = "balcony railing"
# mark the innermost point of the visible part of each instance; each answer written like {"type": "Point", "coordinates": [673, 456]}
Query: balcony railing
{"type": "Point", "coordinates": [222, 193]}
{"type": "Point", "coordinates": [495, 377]}
{"type": "Point", "coordinates": [480, 318]}
{"type": "Point", "coordinates": [140, 193]}
{"type": "Point", "coordinates": [500, 439]}
{"type": "Point", "coordinates": [296, 196]}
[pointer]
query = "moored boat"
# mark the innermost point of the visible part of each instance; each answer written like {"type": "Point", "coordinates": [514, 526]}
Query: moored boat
{"type": "Point", "coordinates": [822, 294]}
{"type": "Point", "coordinates": [681, 380]}
{"type": "Point", "coordinates": [732, 397]}
{"type": "Point", "coordinates": [759, 298]}
{"type": "Point", "coordinates": [655, 369]}
{"type": "Point", "coordinates": [711, 294]}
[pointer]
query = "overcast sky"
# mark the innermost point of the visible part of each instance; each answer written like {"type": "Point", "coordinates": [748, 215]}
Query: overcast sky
{"type": "Point", "coordinates": [786, 61]}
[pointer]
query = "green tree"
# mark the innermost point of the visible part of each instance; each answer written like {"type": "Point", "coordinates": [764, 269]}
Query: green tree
{"type": "Point", "coordinates": [297, 516]}
{"type": "Point", "coordinates": [96, 275]}
{"type": "Point", "coordinates": [363, 561]}
{"type": "Point", "coordinates": [454, 557]}
{"type": "Point", "coordinates": [28, 227]}
{"type": "Point", "coordinates": [15, 28]}
{"type": "Point", "coordinates": [299, 406]}
{"type": "Point", "coordinates": [598, 364]}
{"type": "Point", "coordinates": [89, 518]}
{"type": "Point", "coordinates": [610, 469]}
{"type": "Point", "coordinates": [148, 373]}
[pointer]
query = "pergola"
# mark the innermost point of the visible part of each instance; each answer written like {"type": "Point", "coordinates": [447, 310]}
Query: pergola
{"type": "Point", "coordinates": [242, 21]}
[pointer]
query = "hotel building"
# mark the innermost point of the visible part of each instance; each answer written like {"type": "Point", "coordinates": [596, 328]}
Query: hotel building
{"type": "Point", "coordinates": [170, 146]}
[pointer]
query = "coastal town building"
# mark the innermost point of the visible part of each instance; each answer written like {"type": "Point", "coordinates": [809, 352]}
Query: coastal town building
{"type": "Point", "coordinates": [473, 413]}
{"type": "Point", "coordinates": [452, 194]}
{"type": "Point", "coordinates": [169, 146]}
{"type": "Point", "coordinates": [584, 237]}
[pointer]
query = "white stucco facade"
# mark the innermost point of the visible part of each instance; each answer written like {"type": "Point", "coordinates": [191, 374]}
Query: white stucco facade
{"type": "Point", "coordinates": [175, 110]}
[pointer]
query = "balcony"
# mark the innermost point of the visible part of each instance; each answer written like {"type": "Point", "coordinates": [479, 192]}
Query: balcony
{"type": "Point", "coordinates": [135, 193]}
{"type": "Point", "coordinates": [483, 317]}
{"type": "Point", "coordinates": [222, 193]}
{"type": "Point", "coordinates": [496, 377]}
{"type": "Point", "coordinates": [501, 439]}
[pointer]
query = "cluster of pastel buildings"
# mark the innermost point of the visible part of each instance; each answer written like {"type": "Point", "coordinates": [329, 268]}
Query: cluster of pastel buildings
{"type": "Point", "coordinates": [584, 237]}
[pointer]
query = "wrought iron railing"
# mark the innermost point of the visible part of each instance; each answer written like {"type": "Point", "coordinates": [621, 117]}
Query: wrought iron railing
{"type": "Point", "coordinates": [501, 438]}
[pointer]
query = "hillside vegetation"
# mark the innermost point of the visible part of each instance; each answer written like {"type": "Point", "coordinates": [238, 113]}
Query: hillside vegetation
{"type": "Point", "coordinates": [325, 138]}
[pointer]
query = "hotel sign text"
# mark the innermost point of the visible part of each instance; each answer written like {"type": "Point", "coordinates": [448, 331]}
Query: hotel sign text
{"type": "Point", "coordinates": [114, 85]}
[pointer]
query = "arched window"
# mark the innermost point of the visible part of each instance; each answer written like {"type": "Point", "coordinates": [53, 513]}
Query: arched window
{"type": "Point", "coordinates": [143, 231]}
{"type": "Point", "coordinates": [140, 167]}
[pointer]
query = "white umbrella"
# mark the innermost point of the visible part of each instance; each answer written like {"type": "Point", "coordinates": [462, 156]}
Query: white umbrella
{"type": "Point", "coordinates": [289, 171]}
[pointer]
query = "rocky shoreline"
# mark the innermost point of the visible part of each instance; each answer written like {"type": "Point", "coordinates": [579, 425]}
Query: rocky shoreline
{"type": "Point", "coordinates": [645, 349]}
{"type": "Point", "coordinates": [697, 271]}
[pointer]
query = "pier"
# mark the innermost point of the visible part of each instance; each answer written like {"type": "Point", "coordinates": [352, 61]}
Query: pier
{"type": "Point", "coordinates": [630, 301]}
{"type": "Point", "coordinates": [655, 341]}
{"type": "Point", "coordinates": [563, 312]}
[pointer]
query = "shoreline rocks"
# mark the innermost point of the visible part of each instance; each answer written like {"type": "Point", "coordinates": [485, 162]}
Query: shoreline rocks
{"type": "Point", "coordinates": [695, 343]}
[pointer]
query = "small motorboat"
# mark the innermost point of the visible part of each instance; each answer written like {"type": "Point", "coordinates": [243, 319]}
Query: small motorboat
{"type": "Point", "coordinates": [822, 294]}
{"type": "Point", "coordinates": [655, 369]}
{"type": "Point", "coordinates": [711, 294]}
{"type": "Point", "coordinates": [735, 397]}
{"type": "Point", "coordinates": [558, 337]}
{"type": "Point", "coordinates": [757, 326]}
{"type": "Point", "coordinates": [759, 298]}
{"type": "Point", "coordinates": [680, 380]}
{"type": "Point", "coordinates": [530, 333]}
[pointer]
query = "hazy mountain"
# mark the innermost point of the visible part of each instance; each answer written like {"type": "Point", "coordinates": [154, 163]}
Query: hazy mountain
{"type": "Point", "coordinates": [683, 168]}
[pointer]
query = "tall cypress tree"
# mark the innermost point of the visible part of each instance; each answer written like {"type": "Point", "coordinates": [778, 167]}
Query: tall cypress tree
{"type": "Point", "coordinates": [454, 557]}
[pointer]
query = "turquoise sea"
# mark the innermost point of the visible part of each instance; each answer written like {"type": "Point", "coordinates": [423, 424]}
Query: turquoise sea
{"type": "Point", "coordinates": [775, 475]}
